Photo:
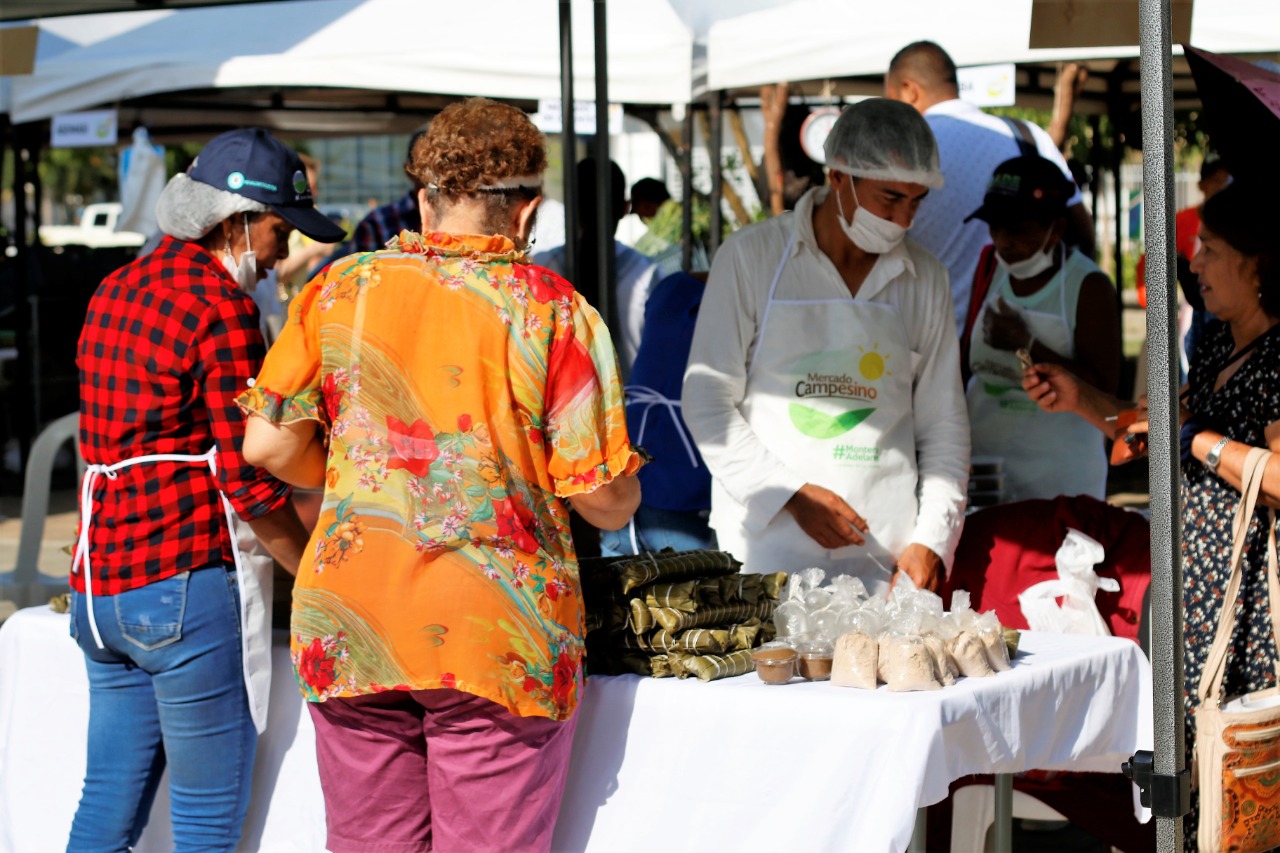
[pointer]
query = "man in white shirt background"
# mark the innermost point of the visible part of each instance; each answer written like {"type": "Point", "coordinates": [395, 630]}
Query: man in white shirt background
{"type": "Point", "coordinates": [823, 387]}
{"type": "Point", "coordinates": [635, 272]}
{"type": "Point", "coordinates": [971, 144]}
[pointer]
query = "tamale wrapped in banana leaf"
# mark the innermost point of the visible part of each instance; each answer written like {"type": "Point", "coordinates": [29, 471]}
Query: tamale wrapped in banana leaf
{"type": "Point", "coordinates": [704, 617]}
{"type": "Point", "coordinates": [740, 589]}
{"type": "Point", "coordinates": [679, 596]}
{"type": "Point", "coordinates": [773, 584]}
{"type": "Point", "coordinates": [641, 620]}
{"type": "Point", "coordinates": [703, 641]}
{"type": "Point", "coordinates": [673, 566]}
{"type": "Point", "coordinates": [743, 635]}
{"type": "Point", "coordinates": [711, 667]}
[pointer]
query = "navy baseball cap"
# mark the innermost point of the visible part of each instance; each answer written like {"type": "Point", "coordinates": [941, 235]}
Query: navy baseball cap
{"type": "Point", "coordinates": [253, 163]}
{"type": "Point", "coordinates": [1028, 187]}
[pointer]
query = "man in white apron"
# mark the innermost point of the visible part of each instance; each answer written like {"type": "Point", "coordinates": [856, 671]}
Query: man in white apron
{"type": "Point", "coordinates": [171, 593]}
{"type": "Point", "coordinates": [823, 387]}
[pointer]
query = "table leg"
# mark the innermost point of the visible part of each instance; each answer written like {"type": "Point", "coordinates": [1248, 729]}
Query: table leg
{"type": "Point", "coordinates": [1004, 813]}
{"type": "Point", "coordinates": [917, 835]}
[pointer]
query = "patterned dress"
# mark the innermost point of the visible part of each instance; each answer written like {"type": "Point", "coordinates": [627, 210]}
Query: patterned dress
{"type": "Point", "coordinates": [464, 393]}
{"type": "Point", "coordinates": [1241, 409]}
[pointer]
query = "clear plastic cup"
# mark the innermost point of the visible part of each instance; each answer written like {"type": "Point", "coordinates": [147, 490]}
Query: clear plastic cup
{"type": "Point", "coordinates": [775, 662]}
{"type": "Point", "coordinates": [814, 662]}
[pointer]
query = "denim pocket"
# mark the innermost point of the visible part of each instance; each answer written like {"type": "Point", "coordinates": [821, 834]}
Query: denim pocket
{"type": "Point", "coordinates": [151, 616]}
{"type": "Point", "coordinates": [75, 627]}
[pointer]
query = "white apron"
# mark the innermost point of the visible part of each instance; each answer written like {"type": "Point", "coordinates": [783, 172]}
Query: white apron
{"type": "Point", "coordinates": [254, 579]}
{"type": "Point", "coordinates": [829, 391]}
{"type": "Point", "coordinates": [1045, 454]}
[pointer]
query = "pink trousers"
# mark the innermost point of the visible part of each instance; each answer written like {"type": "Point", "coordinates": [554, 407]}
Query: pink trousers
{"type": "Point", "coordinates": [438, 770]}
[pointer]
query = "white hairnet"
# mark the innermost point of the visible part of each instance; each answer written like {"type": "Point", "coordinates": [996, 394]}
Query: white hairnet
{"type": "Point", "coordinates": [886, 141]}
{"type": "Point", "coordinates": [189, 209]}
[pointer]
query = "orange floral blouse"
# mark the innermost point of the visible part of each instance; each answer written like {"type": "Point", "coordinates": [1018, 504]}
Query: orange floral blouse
{"type": "Point", "coordinates": [464, 393]}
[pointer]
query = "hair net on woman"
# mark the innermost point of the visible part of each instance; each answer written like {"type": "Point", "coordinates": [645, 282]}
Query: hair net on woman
{"type": "Point", "coordinates": [886, 141]}
{"type": "Point", "coordinates": [189, 209]}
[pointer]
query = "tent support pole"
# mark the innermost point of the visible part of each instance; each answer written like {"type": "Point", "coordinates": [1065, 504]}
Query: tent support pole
{"type": "Point", "coordinates": [568, 143]}
{"type": "Point", "coordinates": [686, 190]}
{"type": "Point", "coordinates": [1169, 785]}
{"type": "Point", "coordinates": [714, 144]}
{"type": "Point", "coordinates": [606, 269]}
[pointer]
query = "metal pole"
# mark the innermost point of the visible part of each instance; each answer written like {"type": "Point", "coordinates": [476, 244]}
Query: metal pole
{"type": "Point", "coordinates": [1170, 791]}
{"type": "Point", "coordinates": [605, 263]}
{"type": "Point", "coordinates": [1116, 105]}
{"type": "Point", "coordinates": [1002, 838]}
{"type": "Point", "coordinates": [717, 172]}
{"type": "Point", "coordinates": [27, 380]}
{"type": "Point", "coordinates": [686, 191]}
{"type": "Point", "coordinates": [568, 143]}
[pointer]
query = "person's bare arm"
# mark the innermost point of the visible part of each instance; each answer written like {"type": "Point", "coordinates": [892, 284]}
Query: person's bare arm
{"type": "Point", "coordinates": [611, 506]}
{"type": "Point", "coordinates": [1080, 229]}
{"type": "Point", "coordinates": [303, 259]}
{"type": "Point", "coordinates": [1231, 462]}
{"type": "Point", "coordinates": [292, 452]}
{"type": "Point", "coordinates": [282, 534]}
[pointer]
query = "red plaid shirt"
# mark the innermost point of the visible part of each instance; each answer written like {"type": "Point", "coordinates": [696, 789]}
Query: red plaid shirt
{"type": "Point", "coordinates": [168, 343]}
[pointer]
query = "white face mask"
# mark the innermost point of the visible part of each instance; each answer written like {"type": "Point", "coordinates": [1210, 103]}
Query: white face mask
{"type": "Point", "coordinates": [1029, 267]}
{"type": "Point", "coordinates": [870, 233]}
{"type": "Point", "coordinates": [246, 271]}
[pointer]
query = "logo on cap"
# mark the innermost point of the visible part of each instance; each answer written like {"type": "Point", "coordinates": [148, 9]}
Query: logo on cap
{"type": "Point", "coordinates": [300, 185]}
{"type": "Point", "coordinates": [235, 180]}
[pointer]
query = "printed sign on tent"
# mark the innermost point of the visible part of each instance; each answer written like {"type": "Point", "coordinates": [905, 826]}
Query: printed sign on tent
{"type": "Point", "coordinates": [81, 130]}
{"type": "Point", "coordinates": [988, 85]}
{"type": "Point", "coordinates": [548, 118]}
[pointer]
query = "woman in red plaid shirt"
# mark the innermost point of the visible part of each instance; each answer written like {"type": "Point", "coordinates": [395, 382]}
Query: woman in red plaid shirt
{"type": "Point", "coordinates": [173, 620]}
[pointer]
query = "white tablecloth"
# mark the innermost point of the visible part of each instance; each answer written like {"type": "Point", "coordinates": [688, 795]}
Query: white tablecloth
{"type": "Point", "coordinates": [658, 763]}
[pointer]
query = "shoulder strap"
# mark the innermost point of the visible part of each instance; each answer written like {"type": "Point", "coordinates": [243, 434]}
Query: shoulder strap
{"type": "Point", "coordinates": [1022, 136]}
{"type": "Point", "coordinates": [1211, 679]}
{"type": "Point", "coordinates": [982, 277]}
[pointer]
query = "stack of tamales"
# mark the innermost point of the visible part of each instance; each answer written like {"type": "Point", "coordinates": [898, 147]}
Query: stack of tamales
{"type": "Point", "coordinates": [681, 613]}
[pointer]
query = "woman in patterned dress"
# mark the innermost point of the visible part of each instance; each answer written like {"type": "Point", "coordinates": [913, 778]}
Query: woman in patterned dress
{"type": "Point", "coordinates": [1231, 403]}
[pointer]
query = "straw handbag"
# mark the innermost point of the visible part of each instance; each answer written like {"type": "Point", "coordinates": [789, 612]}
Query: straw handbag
{"type": "Point", "coordinates": [1238, 739]}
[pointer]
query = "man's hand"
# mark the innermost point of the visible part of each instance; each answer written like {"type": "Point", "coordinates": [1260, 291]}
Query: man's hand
{"type": "Point", "coordinates": [923, 567]}
{"type": "Point", "coordinates": [826, 517]}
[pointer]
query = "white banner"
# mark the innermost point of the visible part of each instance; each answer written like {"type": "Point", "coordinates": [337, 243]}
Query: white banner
{"type": "Point", "coordinates": [988, 85]}
{"type": "Point", "coordinates": [80, 130]}
{"type": "Point", "coordinates": [549, 117]}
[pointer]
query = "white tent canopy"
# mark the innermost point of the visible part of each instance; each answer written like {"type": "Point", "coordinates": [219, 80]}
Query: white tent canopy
{"type": "Point", "coordinates": [826, 39]}
{"type": "Point", "coordinates": [378, 45]}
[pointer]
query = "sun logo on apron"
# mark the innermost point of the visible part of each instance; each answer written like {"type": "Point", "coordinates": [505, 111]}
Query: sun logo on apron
{"type": "Point", "coordinates": [873, 365]}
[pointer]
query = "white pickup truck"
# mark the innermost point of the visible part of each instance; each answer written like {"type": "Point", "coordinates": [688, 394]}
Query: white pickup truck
{"type": "Point", "coordinates": [97, 229]}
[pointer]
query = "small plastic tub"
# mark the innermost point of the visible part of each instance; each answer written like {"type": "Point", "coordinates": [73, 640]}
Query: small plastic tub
{"type": "Point", "coordinates": [815, 661]}
{"type": "Point", "coordinates": [775, 663]}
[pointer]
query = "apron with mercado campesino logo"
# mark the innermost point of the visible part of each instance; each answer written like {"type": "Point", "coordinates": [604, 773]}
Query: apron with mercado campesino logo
{"type": "Point", "coordinates": [829, 392]}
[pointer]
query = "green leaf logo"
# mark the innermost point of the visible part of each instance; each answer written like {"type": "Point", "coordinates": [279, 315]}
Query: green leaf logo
{"type": "Point", "coordinates": [815, 424]}
{"type": "Point", "coordinates": [996, 390]}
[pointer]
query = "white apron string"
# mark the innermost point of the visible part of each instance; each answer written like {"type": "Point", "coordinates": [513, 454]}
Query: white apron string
{"type": "Point", "coordinates": [253, 586]}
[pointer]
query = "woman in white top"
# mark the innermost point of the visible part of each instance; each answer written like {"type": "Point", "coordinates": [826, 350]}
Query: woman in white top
{"type": "Point", "coordinates": [1058, 305]}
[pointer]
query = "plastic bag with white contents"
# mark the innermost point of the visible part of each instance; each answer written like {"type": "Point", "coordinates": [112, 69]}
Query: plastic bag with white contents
{"type": "Point", "coordinates": [1076, 586]}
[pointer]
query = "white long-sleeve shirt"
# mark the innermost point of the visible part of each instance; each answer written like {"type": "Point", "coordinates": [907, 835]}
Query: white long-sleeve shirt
{"type": "Point", "coordinates": [909, 279]}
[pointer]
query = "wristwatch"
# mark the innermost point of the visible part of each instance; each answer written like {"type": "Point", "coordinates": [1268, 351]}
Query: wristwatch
{"type": "Point", "coordinates": [1214, 456]}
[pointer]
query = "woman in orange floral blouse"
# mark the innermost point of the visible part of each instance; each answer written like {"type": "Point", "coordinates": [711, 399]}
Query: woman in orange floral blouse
{"type": "Point", "coordinates": [453, 401]}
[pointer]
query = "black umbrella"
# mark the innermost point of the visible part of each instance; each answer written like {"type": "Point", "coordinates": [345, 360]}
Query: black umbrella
{"type": "Point", "coordinates": [1242, 113]}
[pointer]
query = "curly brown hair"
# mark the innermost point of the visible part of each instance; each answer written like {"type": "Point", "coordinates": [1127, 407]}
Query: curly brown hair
{"type": "Point", "coordinates": [475, 143]}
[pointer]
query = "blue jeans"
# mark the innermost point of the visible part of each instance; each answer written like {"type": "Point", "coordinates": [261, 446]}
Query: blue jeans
{"type": "Point", "coordinates": [168, 686]}
{"type": "Point", "coordinates": [655, 529]}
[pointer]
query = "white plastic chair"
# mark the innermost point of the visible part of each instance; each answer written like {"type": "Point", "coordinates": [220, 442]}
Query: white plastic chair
{"type": "Point", "coordinates": [24, 584]}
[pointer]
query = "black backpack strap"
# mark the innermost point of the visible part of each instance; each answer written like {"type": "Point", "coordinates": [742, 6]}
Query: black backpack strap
{"type": "Point", "coordinates": [1022, 136]}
